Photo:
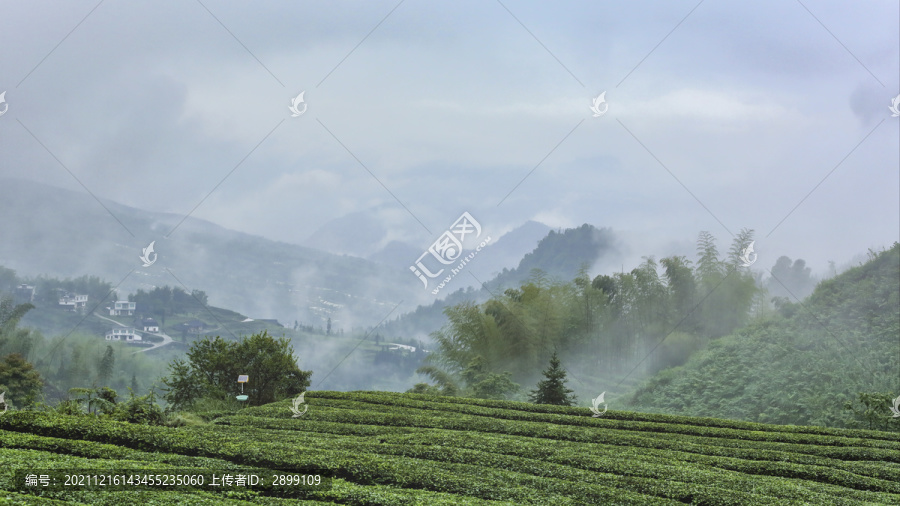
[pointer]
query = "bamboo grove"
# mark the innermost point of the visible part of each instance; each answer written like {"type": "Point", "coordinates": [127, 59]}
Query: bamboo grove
{"type": "Point", "coordinates": [649, 318]}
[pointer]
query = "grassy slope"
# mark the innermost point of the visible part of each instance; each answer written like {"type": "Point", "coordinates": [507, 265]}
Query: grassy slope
{"type": "Point", "coordinates": [387, 448]}
{"type": "Point", "coordinates": [843, 339]}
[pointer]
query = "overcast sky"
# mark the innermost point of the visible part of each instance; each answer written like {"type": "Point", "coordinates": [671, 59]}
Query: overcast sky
{"type": "Point", "coordinates": [720, 116]}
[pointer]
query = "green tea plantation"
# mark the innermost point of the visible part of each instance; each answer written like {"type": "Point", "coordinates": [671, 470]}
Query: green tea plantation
{"type": "Point", "coordinates": [395, 449]}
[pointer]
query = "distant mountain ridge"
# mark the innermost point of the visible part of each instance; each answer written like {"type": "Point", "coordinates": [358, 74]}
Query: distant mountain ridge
{"type": "Point", "coordinates": [558, 255]}
{"type": "Point", "coordinates": [62, 233]}
{"type": "Point", "coordinates": [503, 253]}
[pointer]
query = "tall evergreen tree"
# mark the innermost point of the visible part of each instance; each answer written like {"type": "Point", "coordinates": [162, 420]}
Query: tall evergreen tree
{"type": "Point", "coordinates": [105, 367]}
{"type": "Point", "coordinates": [552, 390]}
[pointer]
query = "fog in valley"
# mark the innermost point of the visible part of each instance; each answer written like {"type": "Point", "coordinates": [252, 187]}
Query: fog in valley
{"type": "Point", "coordinates": [690, 205]}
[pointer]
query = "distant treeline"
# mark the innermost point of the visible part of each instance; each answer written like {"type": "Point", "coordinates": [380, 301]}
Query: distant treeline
{"type": "Point", "coordinates": [48, 290]}
{"type": "Point", "coordinates": [166, 301]}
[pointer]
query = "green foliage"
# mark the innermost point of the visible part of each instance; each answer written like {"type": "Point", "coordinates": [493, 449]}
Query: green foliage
{"type": "Point", "coordinates": [552, 389]}
{"type": "Point", "coordinates": [609, 323]}
{"type": "Point", "coordinates": [875, 413]}
{"type": "Point", "coordinates": [184, 418]}
{"type": "Point", "coordinates": [95, 400]}
{"type": "Point", "coordinates": [445, 383]}
{"type": "Point", "coordinates": [13, 339]}
{"type": "Point", "coordinates": [484, 384]}
{"type": "Point", "coordinates": [167, 301]}
{"type": "Point", "coordinates": [103, 402]}
{"type": "Point", "coordinates": [678, 348]}
{"type": "Point", "coordinates": [21, 382]}
{"type": "Point", "coordinates": [425, 389]}
{"type": "Point", "coordinates": [803, 366]}
{"type": "Point", "coordinates": [386, 449]}
{"type": "Point", "coordinates": [213, 366]}
{"type": "Point", "coordinates": [48, 290]}
{"type": "Point", "coordinates": [141, 410]}
{"type": "Point", "coordinates": [105, 367]}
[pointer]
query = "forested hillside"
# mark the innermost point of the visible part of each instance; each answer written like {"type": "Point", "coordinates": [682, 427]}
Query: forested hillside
{"type": "Point", "coordinates": [720, 344]}
{"type": "Point", "coordinates": [610, 331]}
{"type": "Point", "coordinates": [805, 363]}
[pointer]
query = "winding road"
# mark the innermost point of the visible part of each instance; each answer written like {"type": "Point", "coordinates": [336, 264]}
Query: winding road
{"type": "Point", "coordinates": [166, 339]}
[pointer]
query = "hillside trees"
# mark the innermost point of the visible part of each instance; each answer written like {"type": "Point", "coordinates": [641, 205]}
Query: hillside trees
{"type": "Point", "coordinates": [105, 365]}
{"type": "Point", "coordinates": [8, 280]}
{"type": "Point", "coordinates": [12, 338]}
{"type": "Point", "coordinates": [213, 366]}
{"type": "Point", "coordinates": [610, 323]}
{"type": "Point", "coordinates": [790, 279]}
{"type": "Point", "coordinates": [165, 300]}
{"type": "Point", "coordinates": [839, 347]}
{"type": "Point", "coordinates": [48, 290]}
{"type": "Point", "coordinates": [19, 380]}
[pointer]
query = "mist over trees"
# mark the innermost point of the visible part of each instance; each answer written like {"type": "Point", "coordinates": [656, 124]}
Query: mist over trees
{"type": "Point", "coordinates": [831, 361]}
{"type": "Point", "coordinates": [607, 325]}
{"type": "Point", "coordinates": [791, 280]}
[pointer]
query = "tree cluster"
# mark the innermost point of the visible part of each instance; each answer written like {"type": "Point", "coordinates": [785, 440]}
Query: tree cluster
{"type": "Point", "coordinates": [166, 301]}
{"type": "Point", "coordinates": [214, 364]}
{"type": "Point", "coordinates": [608, 323]}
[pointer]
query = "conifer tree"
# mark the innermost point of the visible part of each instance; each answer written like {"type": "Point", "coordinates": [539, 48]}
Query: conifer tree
{"type": "Point", "coordinates": [552, 389]}
{"type": "Point", "coordinates": [105, 367]}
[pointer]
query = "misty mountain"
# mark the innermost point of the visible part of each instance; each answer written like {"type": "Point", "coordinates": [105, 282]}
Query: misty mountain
{"type": "Point", "coordinates": [503, 253]}
{"type": "Point", "coordinates": [396, 255]}
{"type": "Point", "coordinates": [509, 249]}
{"type": "Point", "coordinates": [48, 230]}
{"type": "Point", "coordinates": [559, 255]}
{"type": "Point", "coordinates": [361, 234]}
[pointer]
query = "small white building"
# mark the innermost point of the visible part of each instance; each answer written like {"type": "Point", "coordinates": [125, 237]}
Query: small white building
{"type": "Point", "coordinates": [150, 325]}
{"type": "Point", "coordinates": [73, 302]}
{"type": "Point", "coordinates": [126, 334]}
{"type": "Point", "coordinates": [122, 308]}
{"type": "Point", "coordinates": [25, 293]}
{"type": "Point", "coordinates": [395, 346]}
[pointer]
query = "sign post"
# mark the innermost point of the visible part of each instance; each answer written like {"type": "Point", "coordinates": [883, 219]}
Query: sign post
{"type": "Point", "coordinates": [243, 378]}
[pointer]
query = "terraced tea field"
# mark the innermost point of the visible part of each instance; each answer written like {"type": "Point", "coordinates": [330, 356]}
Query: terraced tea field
{"type": "Point", "coordinates": [390, 449]}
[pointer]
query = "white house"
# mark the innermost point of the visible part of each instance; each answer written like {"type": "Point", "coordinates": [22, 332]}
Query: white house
{"type": "Point", "coordinates": [395, 346]}
{"type": "Point", "coordinates": [73, 302]}
{"type": "Point", "coordinates": [123, 333]}
{"type": "Point", "coordinates": [122, 308]}
{"type": "Point", "coordinates": [25, 293]}
{"type": "Point", "coordinates": [150, 325]}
